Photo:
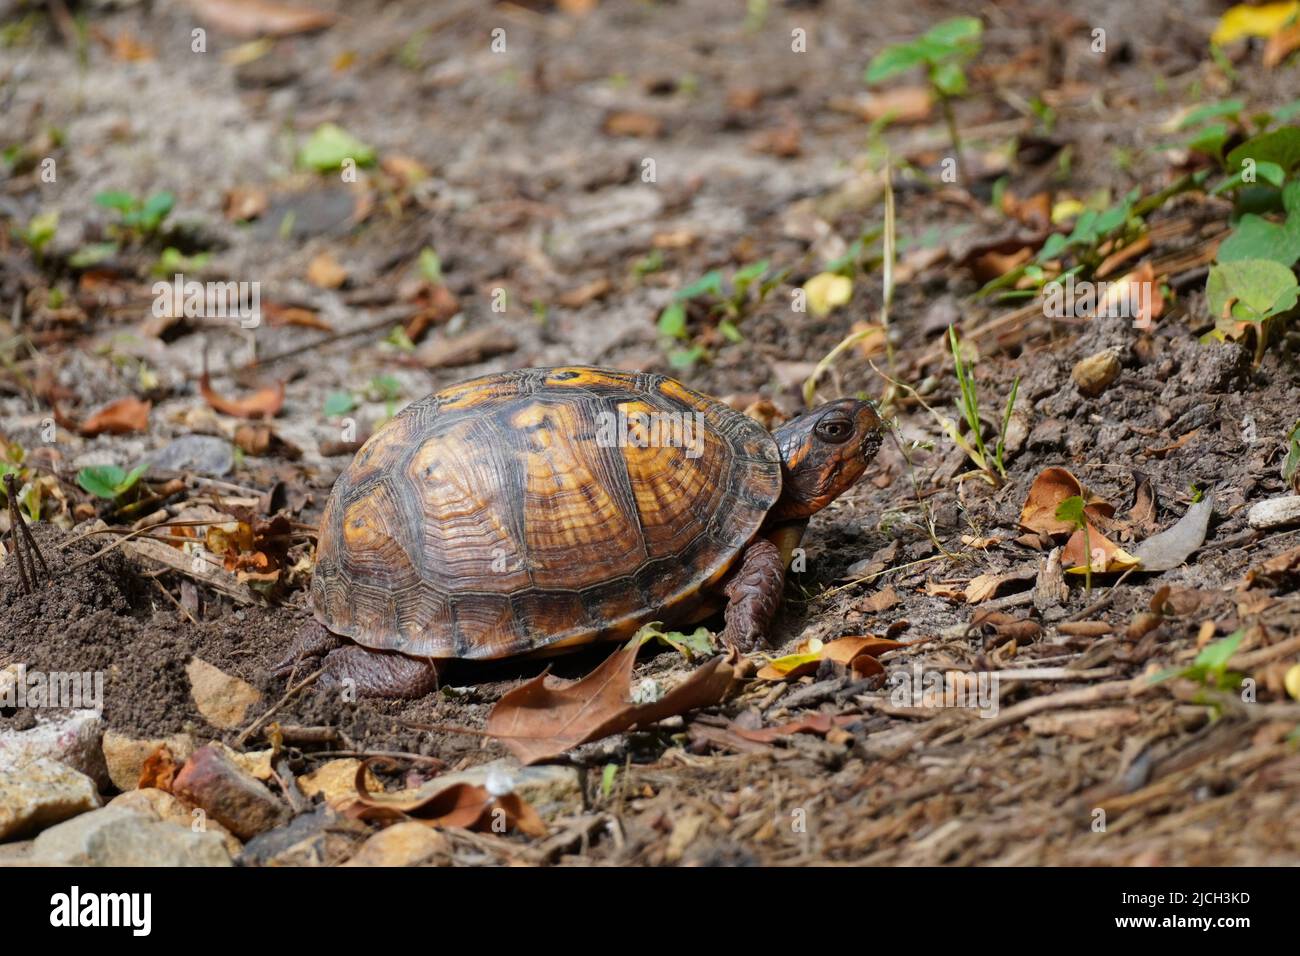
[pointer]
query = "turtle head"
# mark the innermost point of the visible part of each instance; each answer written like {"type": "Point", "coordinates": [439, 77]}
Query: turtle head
{"type": "Point", "coordinates": [823, 453]}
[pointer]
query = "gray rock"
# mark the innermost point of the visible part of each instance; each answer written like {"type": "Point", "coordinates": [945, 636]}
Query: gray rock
{"type": "Point", "coordinates": [120, 836]}
{"type": "Point", "coordinates": [201, 454]}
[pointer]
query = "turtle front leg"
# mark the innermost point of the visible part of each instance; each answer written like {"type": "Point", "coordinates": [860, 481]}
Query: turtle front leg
{"type": "Point", "coordinates": [753, 595]}
{"type": "Point", "coordinates": [379, 673]}
{"type": "Point", "coordinates": [309, 645]}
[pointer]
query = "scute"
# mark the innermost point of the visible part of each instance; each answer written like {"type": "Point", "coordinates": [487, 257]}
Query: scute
{"type": "Point", "coordinates": [505, 515]}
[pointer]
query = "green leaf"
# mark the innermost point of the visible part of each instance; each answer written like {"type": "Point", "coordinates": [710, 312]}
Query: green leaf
{"type": "Point", "coordinates": [155, 209]}
{"type": "Point", "coordinates": [339, 403]}
{"type": "Point", "coordinates": [41, 229]}
{"type": "Point", "coordinates": [1071, 510]}
{"type": "Point", "coordinates": [1258, 289]}
{"type": "Point", "coordinates": [710, 282]}
{"type": "Point", "coordinates": [116, 199]}
{"type": "Point", "coordinates": [607, 777]}
{"type": "Point", "coordinates": [1281, 146]}
{"type": "Point", "coordinates": [1256, 238]}
{"type": "Point", "coordinates": [958, 31]}
{"type": "Point", "coordinates": [1228, 108]}
{"type": "Point", "coordinates": [430, 266]}
{"type": "Point", "coordinates": [330, 145]}
{"type": "Point", "coordinates": [685, 358]}
{"type": "Point", "coordinates": [672, 321]}
{"type": "Point", "coordinates": [949, 79]}
{"type": "Point", "coordinates": [102, 481]}
{"type": "Point", "coordinates": [729, 331]}
{"type": "Point", "coordinates": [128, 482]}
{"type": "Point", "coordinates": [893, 61]}
{"type": "Point", "coordinates": [1292, 463]}
{"type": "Point", "coordinates": [92, 254]}
{"type": "Point", "coordinates": [1215, 657]}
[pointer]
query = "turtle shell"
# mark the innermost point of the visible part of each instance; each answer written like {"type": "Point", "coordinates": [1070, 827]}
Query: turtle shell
{"type": "Point", "coordinates": [540, 509]}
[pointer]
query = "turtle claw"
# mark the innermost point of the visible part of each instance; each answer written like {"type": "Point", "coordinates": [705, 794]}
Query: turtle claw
{"type": "Point", "coordinates": [369, 673]}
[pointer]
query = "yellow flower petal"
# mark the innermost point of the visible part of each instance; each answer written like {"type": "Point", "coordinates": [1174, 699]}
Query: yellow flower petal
{"type": "Point", "coordinates": [1247, 21]}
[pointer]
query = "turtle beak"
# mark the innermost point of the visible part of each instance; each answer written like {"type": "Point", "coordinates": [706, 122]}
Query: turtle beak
{"type": "Point", "coordinates": [870, 427]}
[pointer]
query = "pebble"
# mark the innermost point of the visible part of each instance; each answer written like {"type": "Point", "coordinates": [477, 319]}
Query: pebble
{"type": "Point", "coordinates": [123, 836]}
{"type": "Point", "coordinates": [44, 792]}
{"type": "Point", "coordinates": [403, 844]}
{"type": "Point", "coordinates": [231, 796]}
{"type": "Point", "coordinates": [1274, 513]}
{"type": "Point", "coordinates": [125, 756]}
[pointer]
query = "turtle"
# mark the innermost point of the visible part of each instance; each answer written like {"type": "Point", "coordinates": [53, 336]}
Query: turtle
{"type": "Point", "coordinates": [529, 512]}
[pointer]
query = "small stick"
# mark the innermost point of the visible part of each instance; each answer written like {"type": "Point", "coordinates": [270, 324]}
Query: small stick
{"type": "Point", "coordinates": [22, 539]}
{"type": "Point", "coordinates": [266, 715]}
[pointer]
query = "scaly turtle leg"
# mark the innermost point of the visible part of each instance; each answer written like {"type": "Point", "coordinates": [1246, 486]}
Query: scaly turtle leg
{"type": "Point", "coordinates": [379, 673]}
{"type": "Point", "coordinates": [370, 673]}
{"type": "Point", "coordinates": [754, 595]}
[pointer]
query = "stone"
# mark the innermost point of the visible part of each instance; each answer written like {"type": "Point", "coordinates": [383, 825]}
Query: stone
{"type": "Point", "coordinates": [167, 807]}
{"type": "Point", "coordinates": [122, 836]}
{"type": "Point", "coordinates": [205, 455]}
{"type": "Point", "coordinates": [335, 781]}
{"type": "Point", "coordinates": [229, 794]}
{"type": "Point", "coordinates": [223, 700]}
{"type": "Point", "coordinates": [1274, 513]}
{"type": "Point", "coordinates": [404, 844]}
{"type": "Point", "coordinates": [42, 793]}
{"type": "Point", "coordinates": [1096, 373]}
{"type": "Point", "coordinates": [125, 756]}
{"type": "Point", "coordinates": [70, 737]}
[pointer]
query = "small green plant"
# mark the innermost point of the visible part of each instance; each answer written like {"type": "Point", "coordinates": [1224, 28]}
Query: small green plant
{"type": "Point", "coordinates": [690, 646]}
{"type": "Point", "coordinates": [173, 261]}
{"type": "Point", "coordinates": [725, 300]}
{"type": "Point", "coordinates": [39, 231]}
{"type": "Point", "coordinates": [608, 775]}
{"type": "Point", "coordinates": [1072, 510]}
{"type": "Point", "coordinates": [1253, 291]}
{"type": "Point", "coordinates": [1210, 668]}
{"type": "Point", "coordinates": [109, 481]}
{"type": "Point", "coordinates": [137, 217]}
{"type": "Point", "coordinates": [1291, 464]}
{"type": "Point", "coordinates": [968, 405]}
{"type": "Point", "coordinates": [338, 404]}
{"type": "Point", "coordinates": [943, 50]}
{"type": "Point", "coordinates": [386, 389]}
{"type": "Point", "coordinates": [329, 147]}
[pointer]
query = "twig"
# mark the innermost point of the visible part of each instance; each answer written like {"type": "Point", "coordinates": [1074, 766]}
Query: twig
{"type": "Point", "coordinates": [266, 715]}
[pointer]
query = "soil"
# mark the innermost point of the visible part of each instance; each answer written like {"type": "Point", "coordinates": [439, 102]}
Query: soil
{"type": "Point", "coordinates": [530, 193]}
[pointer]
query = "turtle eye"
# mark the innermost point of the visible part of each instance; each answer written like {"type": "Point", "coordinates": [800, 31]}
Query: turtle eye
{"type": "Point", "coordinates": [834, 429]}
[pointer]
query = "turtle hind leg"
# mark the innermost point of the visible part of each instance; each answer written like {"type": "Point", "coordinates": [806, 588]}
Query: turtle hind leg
{"type": "Point", "coordinates": [370, 673]}
{"type": "Point", "coordinates": [753, 595]}
{"type": "Point", "coordinates": [309, 645]}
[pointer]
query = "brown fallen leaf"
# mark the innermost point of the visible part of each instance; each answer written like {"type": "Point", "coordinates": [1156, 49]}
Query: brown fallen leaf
{"type": "Point", "coordinates": [264, 403]}
{"type": "Point", "coordinates": [1035, 212]}
{"type": "Point", "coordinates": [243, 203]}
{"type": "Point", "coordinates": [253, 18]}
{"type": "Point", "coordinates": [262, 440]}
{"type": "Point", "coordinates": [1050, 488]}
{"type": "Point", "coordinates": [466, 349]}
{"type": "Point", "coordinates": [589, 292]}
{"type": "Point", "coordinates": [121, 417]}
{"type": "Point", "coordinates": [882, 600]}
{"type": "Point", "coordinates": [463, 805]}
{"type": "Point", "coordinates": [1105, 555]}
{"type": "Point", "coordinates": [904, 104]}
{"type": "Point", "coordinates": [632, 123]}
{"type": "Point", "coordinates": [809, 724]}
{"type": "Point", "coordinates": [857, 653]}
{"type": "Point", "coordinates": [544, 717]}
{"type": "Point", "coordinates": [282, 315]}
{"type": "Point", "coordinates": [324, 271]}
{"type": "Point", "coordinates": [1281, 45]}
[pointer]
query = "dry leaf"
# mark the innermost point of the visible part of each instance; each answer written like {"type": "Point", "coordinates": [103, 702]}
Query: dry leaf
{"type": "Point", "coordinates": [243, 203]}
{"type": "Point", "coordinates": [121, 417]}
{"type": "Point", "coordinates": [543, 717]}
{"type": "Point", "coordinates": [1106, 554]}
{"type": "Point", "coordinates": [281, 315]}
{"type": "Point", "coordinates": [632, 123]}
{"type": "Point", "coordinates": [253, 18]}
{"type": "Point", "coordinates": [324, 271]}
{"type": "Point", "coordinates": [903, 104]}
{"type": "Point", "coordinates": [464, 805]}
{"type": "Point", "coordinates": [264, 403]}
{"type": "Point", "coordinates": [1050, 488]}
{"type": "Point", "coordinates": [809, 724]}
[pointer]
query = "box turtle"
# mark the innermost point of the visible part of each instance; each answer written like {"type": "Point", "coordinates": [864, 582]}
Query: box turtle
{"type": "Point", "coordinates": [532, 511]}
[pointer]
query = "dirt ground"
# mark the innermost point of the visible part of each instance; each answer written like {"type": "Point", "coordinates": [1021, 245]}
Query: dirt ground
{"type": "Point", "coordinates": [533, 194]}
